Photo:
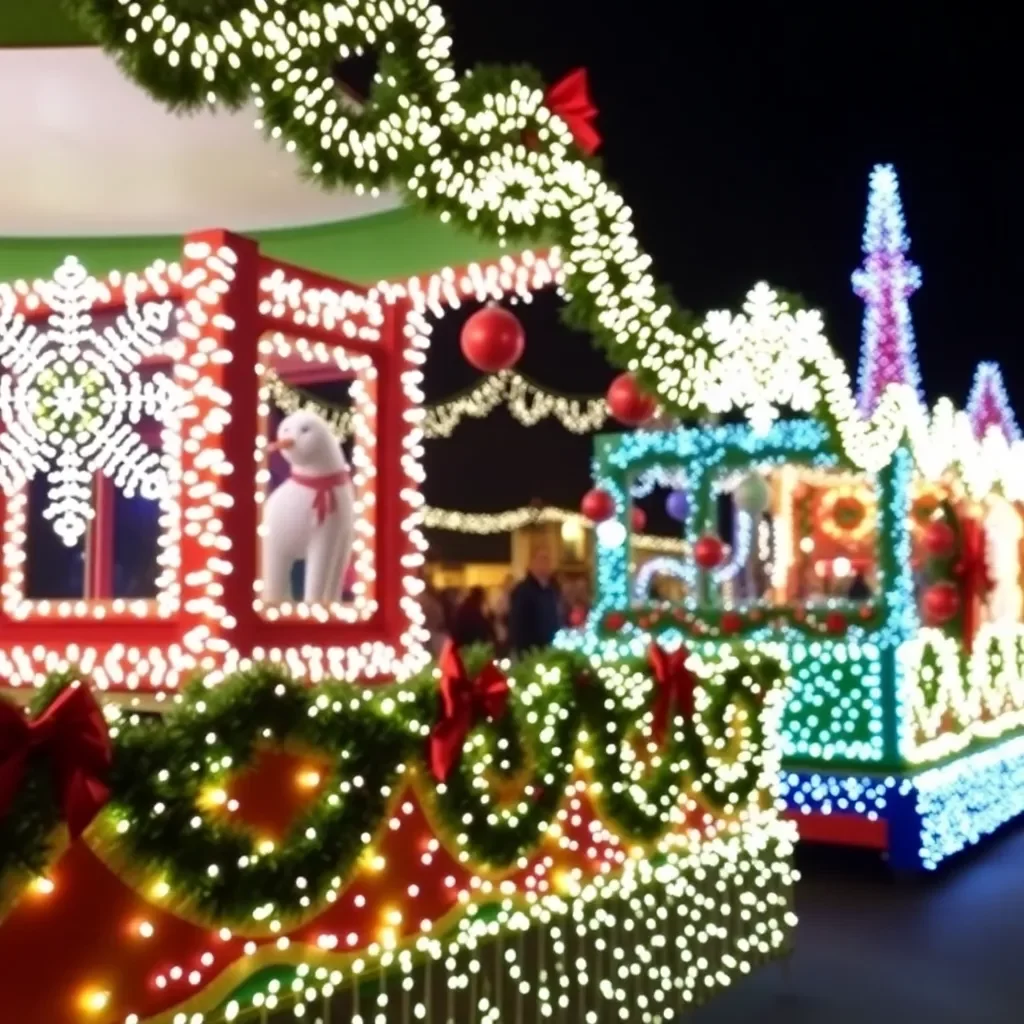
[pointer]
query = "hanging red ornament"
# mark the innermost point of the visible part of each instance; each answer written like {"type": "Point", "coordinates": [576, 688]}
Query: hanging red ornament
{"type": "Point", "coordinates": [835, 623]}
{"type": "Point", "coordinates": [941, 603]}
{"type": "Point", "coordinates": [939, 539]}
{"type": "Point", "coordinates": [732, 622]}
{"type": "Point", "coordinates": [492, 339]}
{"type": "Point", "coordinates": [708, 551]}
{"type": "Point", "coordinates": [628, 404]}
{"type": "Point", "coordinates": [638, 518]}
{"type": "Point", "coordinates": [597, 505]}
{"type": "Point", "coordinates": [614, 621]}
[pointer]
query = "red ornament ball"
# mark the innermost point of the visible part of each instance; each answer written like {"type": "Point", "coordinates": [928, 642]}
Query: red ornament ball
{"type": "Point", "coordinates": [638, 517]}
{"type": "Point", "coordinates": [597, 505]}
{"type": "Point", "coordinates": [939, 539]}
{"type": "Point", "coordinates": [835, 623]}
{"type": "Point", "coordinates": [614, 621]}
{"type": "Point", "coordinates": [732, 622]}
{"type": "Point", "coordinates": [628, 404]}
{"type": "Point", "coordinates": [708, 552]}
{"type": "Point", "coordinates": [492, 339]}
{"type": "Point", "coordinates": [941, 603]}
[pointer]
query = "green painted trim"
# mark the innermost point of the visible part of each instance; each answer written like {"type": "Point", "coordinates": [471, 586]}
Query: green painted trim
{"type": "Point", "coordinates": [395, 244]}
{"type": "Point", "coordinates": [39, 23]}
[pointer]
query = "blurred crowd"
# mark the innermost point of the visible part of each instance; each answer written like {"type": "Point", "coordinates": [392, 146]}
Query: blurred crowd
{"type": "Point", "coordinates": [519, 616]}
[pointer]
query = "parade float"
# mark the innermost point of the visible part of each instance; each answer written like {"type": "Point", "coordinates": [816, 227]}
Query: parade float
{"type": "Point", "coordinates": [234, 791]}
{"type": "Point", "coordinates": [876, 552]}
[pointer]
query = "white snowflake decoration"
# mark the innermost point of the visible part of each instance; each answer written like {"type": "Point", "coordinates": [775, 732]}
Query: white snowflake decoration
{"type": "Point", "coordinates": [762, 359]}
{"type": "Point", "coordinates": [71, 395]}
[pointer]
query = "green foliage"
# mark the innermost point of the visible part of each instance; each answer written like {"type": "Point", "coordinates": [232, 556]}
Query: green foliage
{"type": "Point", "coordinates": [515, 180]}
{"type": "Point", "coordinates": [157, 823]}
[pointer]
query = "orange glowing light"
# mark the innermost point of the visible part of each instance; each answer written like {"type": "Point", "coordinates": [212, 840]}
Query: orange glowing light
{"type": "Point", "coordinates": [94, 1000]}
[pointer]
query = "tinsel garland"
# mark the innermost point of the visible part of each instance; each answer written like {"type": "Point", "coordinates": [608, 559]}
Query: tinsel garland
{"type": "Point", "coordinates": [561, 708]}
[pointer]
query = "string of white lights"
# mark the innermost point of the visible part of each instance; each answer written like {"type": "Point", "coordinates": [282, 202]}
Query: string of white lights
{"type": "Point", "coordinates": [526, 401]}
{"type": "Point", "coordinates": [484, 523]}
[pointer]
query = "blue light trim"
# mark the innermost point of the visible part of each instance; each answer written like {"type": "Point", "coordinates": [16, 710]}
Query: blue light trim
{"type": "Point", "coordinates": [932, 815]}
{"type": "Point", "coordinates": [969, 798]}
{"type": "Point", "coordinates": [868, 795]}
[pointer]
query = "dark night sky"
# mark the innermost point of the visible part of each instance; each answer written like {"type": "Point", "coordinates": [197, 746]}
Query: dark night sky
{"type": "Point", "coordinates": [742, 136]}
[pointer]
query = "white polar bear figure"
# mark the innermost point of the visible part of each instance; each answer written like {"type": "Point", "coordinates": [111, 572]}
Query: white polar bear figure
{"type": "Point", "coordinates": [310, 516]}
{"type": "Point", "coordinates": [1003, 530]}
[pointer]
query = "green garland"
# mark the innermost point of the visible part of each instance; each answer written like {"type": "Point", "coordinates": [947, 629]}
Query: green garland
{"type": "Point", "coordinates": [156, 825]}
{"type": "Point", "coordinates": [481, 151]}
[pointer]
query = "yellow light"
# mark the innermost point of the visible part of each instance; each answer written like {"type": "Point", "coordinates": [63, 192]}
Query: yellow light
{"type": "Point", "coordinates": [94, 1000]}
{"type": "Point", "coordinates": [265, 846]}
{"type": "Point", "coordinates": [43, 886]}
{"type": "Point", "coordinates": [309, 779]}
{"type": "Point", "coordinates": [161, 890]}
{"type": "Point", "coordinates": [215, 797]}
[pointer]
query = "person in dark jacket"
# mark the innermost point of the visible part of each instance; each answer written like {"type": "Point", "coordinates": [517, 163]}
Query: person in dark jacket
{"type": "Point", "coordinates": [535, 608]}
{"type": "Point", "coordinates": [473, 622]}
{"type": "Point", "coordinates": [859, 589]}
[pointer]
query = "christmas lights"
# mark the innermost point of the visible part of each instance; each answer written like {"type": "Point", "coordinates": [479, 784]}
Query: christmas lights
{"type": "Point", "coordinates": [526, 401]}
{"type": "Point", "coordinates": [72, 393]}
{"type": "Point", "coordinates": [569, 736]}
{"type": "Point", "coordinates": [885, 283]}
{"type": "Point", "coordinates": [988, 405]}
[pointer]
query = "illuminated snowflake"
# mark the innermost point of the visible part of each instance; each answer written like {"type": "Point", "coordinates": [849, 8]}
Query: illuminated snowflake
{"type": "Point", "coordinates": [764, 359]}
{"type": "Point", "coordinates": [71, 395]}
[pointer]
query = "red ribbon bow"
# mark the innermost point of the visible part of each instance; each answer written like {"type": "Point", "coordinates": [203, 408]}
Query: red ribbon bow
{"type": "Point", "coordinates": [675, 689]}
{"type": "Point", "coordinates": [463, 703]}
{"type": "Point", "coordinates": [325, 501]}
{"type": "Point", "coordinates": [973, 572]}
{"type": "Point", "coordinates": [570, 100]}
{"type": "Point", "coordinates": [73, 735]}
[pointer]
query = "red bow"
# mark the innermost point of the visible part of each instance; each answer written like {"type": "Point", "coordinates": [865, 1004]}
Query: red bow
{"type": "Point", "coordinates": [325, 501]}
{"type": "Point", "coordinates": [570, 100]}
{"type": "Point", "coordinates": [973, 572]}
{"type": "Point", "coordinates": [675, 690]}
{"type": "Point", "coordinates": [73, 735]}
{"type": "Point", "coordinates": [463, 703]}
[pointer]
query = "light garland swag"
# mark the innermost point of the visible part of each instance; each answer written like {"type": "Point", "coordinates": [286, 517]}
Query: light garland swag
{"type": "Point", "coordinates": [526, 401]}
{"type": "Point", "coordinates": [375, 733]}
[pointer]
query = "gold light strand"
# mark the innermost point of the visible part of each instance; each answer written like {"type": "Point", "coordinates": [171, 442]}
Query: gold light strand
{"type": "Point", "coordinates": [525, 401]}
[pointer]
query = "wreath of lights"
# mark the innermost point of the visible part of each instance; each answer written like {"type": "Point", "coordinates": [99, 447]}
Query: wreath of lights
{"type": "Point", "coordinates": [831, 512]}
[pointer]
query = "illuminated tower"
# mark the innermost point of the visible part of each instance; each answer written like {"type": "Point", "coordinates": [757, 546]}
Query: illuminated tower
{"type": "Point", "coordinates": [885, 282]}
{"type": "Point", "coordinates": [989, 406]}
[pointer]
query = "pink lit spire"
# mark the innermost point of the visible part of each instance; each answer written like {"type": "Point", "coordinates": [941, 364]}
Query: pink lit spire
{"type": "Point", "coordinates": [885, 282]}
{"type": "Point", "coordinates": [989, 406]}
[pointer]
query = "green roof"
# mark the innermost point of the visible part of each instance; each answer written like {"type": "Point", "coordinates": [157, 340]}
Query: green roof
{"type": "Point", "coordinates": [39, 23]}
{"type": "Point", "coordinates": [395, 244]}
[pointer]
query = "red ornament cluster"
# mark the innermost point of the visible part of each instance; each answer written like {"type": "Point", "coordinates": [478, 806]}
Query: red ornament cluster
{"type": "Point", "coordinates": [492, 339]}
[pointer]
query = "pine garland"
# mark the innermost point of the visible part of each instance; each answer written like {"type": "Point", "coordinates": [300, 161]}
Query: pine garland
{"type": "Point", "coordinates": [482, 151]}
{"type": "Point", "coordinates": [561, 707]}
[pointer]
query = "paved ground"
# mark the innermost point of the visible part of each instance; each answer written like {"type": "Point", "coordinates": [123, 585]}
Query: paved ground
{"type": "Point", "coordinates": [946, 949]}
